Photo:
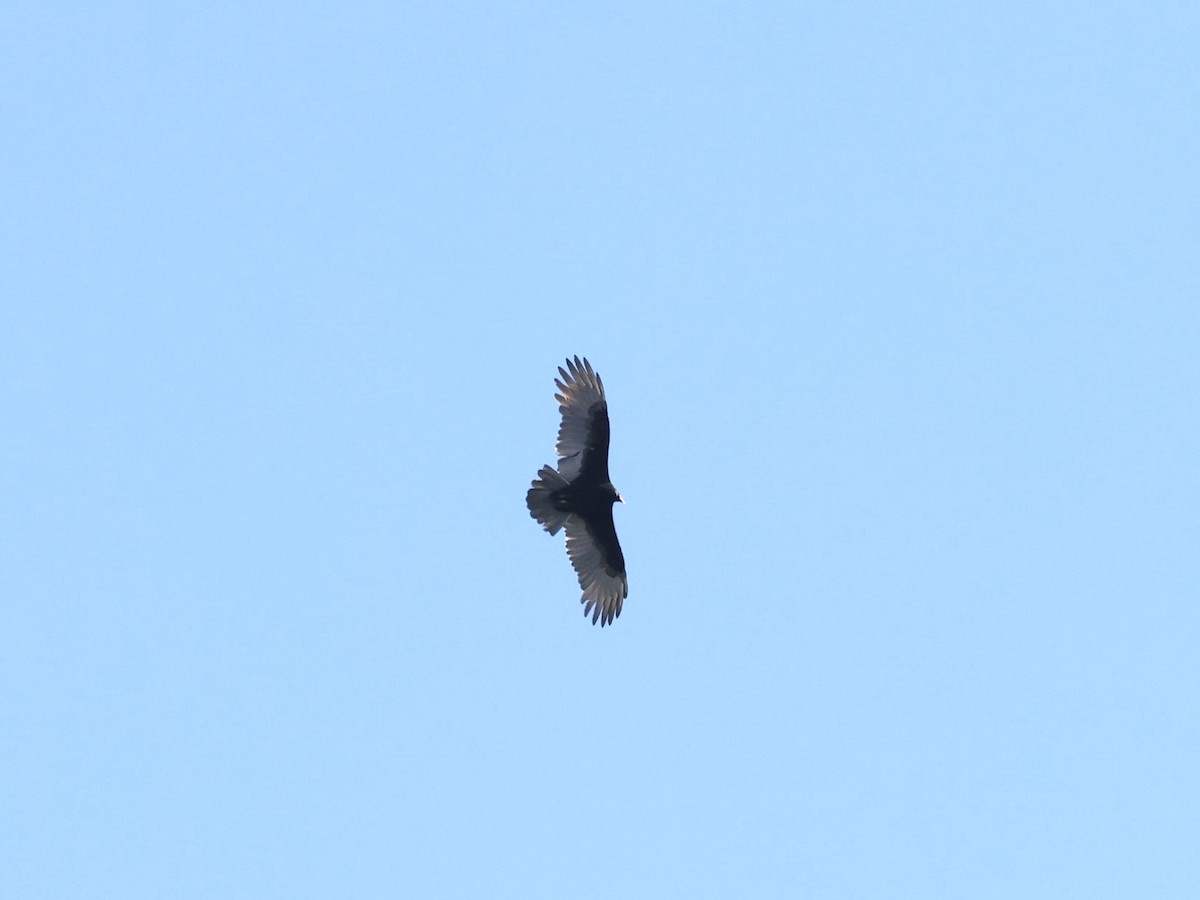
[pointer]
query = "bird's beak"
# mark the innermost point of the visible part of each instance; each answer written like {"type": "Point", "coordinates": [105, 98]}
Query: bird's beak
{"type": "Point", "coordinates": [620, 499]}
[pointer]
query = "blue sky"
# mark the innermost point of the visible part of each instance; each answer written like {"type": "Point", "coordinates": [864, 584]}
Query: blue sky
{"type": "Point", "coordinates": [896, 307]}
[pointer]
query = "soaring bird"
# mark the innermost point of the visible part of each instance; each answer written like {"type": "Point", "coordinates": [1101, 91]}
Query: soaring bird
{"type": "Point", "coordinates": [578, 495]}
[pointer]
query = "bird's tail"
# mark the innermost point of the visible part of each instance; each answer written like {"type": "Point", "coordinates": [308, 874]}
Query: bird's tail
{"type": "Point", "coordinates": [540, 502]}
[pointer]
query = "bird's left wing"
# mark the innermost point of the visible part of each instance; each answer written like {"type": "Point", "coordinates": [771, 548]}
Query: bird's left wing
{"type": "Point", "coordinates": [599, 563]}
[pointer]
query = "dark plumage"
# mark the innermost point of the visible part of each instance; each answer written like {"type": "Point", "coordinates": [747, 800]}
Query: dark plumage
{"type": "Point", "coordinates": [579, 497]}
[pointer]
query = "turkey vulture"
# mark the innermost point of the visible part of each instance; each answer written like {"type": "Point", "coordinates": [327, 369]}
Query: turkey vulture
{"type": "Point", "coordinates": [579, 497]}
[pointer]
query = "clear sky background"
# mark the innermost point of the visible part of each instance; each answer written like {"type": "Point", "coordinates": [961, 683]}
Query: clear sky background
{"type": "Point", "coordinates": [897, 310]}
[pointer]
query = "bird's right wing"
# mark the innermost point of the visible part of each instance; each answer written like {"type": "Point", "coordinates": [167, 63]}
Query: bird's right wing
{"type": "Point", "coordinates": [583, 434]}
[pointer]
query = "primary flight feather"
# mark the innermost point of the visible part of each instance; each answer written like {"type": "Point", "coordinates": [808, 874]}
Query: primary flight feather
{"type": "Point", "coordinates": [578, 496]}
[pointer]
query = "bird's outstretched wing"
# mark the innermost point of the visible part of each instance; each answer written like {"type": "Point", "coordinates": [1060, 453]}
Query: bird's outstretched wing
{"type": "Point", "coordinates": [583, 434]}
{"type": "Point", "coordinates": [599, 563]}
